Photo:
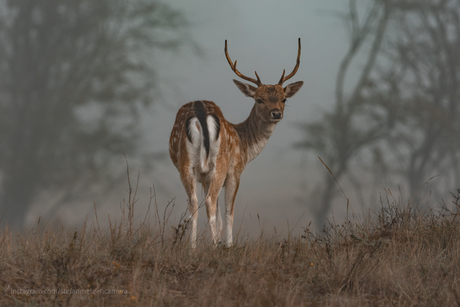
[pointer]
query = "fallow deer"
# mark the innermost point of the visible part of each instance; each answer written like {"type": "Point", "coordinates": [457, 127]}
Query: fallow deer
{"type": "Point", "coordinates": [206, 148]}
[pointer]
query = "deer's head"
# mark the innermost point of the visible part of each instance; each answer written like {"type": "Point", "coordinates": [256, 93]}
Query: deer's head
{"type": "Point", "coordinates": [269, 99]}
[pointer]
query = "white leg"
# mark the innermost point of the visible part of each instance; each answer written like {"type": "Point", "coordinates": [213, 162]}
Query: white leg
{"type": "Point", "coordinates": [229, 229]}
{"type": "Point", "coordinates": [190, 188]}
{"type": "Point", "coordinates": [193, 210]}
{"type": "Point", "coordinates": [219, 221]}
{"type": "Point", "coordinates": [215, 221]}
{"type": "Point", "coordinates": [231, 188]}
{"type": "Point", "coordinates": [211, 210]}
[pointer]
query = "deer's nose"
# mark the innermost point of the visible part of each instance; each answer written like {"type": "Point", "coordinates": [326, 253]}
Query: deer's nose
{"type": "Point", "coordinates": [276, 114]}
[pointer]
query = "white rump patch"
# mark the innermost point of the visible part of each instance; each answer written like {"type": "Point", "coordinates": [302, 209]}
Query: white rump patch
{"type": "Point", "coordinates": [213, 143]}
{"type": "Point", "coordinates": [196, 148]}
{"type": "Point", "coordinates": [193, 147]}
{"type": "Point", "coordinates": [212, 127]}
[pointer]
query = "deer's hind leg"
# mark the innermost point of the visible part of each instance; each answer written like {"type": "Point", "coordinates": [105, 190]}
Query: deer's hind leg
{"type": "Point", "coordinates": [189, 182]}
{"type": "Point", "coordinates": [212, 190]}
{"type": "Point", "coordinates": [218, 216]}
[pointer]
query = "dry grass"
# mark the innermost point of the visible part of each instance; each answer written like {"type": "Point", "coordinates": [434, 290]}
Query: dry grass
{"type": "Point", "coordinates": [396, 257]}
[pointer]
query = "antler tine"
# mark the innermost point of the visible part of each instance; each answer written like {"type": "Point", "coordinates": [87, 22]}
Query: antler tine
{"type": "Point", "coordinates": [233, 66]}
{"type": "Point", "coordinates": [258, 79]}
{"type": "Point", "coordinates": [283, 78]}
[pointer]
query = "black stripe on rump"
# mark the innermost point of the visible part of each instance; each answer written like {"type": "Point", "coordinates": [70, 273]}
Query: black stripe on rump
{"type": "Point", "coordinates": [187, 126]}
{"type": "Point", "coordinates": [200, 113]}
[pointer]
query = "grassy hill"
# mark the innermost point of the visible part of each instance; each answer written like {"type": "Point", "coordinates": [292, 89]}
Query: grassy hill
{"type": "Point", "coordinates": [397, 256]}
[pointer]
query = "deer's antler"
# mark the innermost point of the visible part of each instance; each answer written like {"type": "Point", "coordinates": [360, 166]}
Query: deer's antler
{"type": "Point", "coordinates": [233, 66]}
{"type": "Point", "coordinates": [283, 78]}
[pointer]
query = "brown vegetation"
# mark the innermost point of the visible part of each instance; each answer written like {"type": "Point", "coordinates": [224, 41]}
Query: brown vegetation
{"type": "Point", "coordinates": [395, 257]}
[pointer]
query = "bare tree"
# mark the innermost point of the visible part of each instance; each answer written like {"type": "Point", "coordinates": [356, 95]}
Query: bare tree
{"type": "Point", "coordinates": [401, 116]}
{"type": "Point", "coordinates": [343, 133]}
{"type": "Point", "coordinates": [424, 52]}
{"type": "Point", "coordinates": [74, 77]}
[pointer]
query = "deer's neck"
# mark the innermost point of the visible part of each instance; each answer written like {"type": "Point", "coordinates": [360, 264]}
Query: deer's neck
{"type": "Point", "coordinates": [254, 134]}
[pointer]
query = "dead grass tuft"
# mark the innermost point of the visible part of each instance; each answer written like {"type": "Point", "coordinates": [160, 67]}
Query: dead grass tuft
{"type": "Point", "coordinates": [395, 256]}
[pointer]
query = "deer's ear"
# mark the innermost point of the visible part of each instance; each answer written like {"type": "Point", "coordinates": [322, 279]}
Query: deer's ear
{"type": "Point", "coordinates": [246, 89]}
{"type": "Point", "coordinates": [291, 89]}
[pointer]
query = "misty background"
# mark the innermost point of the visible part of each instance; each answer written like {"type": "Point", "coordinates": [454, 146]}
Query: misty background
{"type": "Point", "coordinates": [82, 84]}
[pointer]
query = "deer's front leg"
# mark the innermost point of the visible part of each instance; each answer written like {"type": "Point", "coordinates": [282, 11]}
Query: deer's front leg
{"type": "Point", "coordinates": [231, 188]}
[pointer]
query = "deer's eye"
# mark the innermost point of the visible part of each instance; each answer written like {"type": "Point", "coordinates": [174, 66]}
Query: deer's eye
{"type": "Point", "coordinates": [260, 101]}
{"type": "Point", "coordinates": [284, 100]}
